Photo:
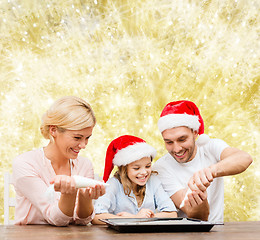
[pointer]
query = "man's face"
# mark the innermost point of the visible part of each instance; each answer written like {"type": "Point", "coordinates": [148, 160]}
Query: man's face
{"type": "Point", "coordinates": [180, 143]}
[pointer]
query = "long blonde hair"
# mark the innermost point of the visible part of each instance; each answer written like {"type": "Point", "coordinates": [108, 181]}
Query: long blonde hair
{"type": "Point", "coordinates": [69, 112]}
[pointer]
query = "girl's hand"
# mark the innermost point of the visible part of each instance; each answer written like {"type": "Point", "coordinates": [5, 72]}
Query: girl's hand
{"type": "Point", "coordinates": [93, 192]}
{"type": "Point", "coordinates": [145, 213]}
{"type": "Point", "coordinates": [64, 184]}
{"type": "Point", "coordinates": [126, 215]}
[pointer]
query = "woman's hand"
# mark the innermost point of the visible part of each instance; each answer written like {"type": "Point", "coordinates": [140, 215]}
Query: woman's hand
{"type": "Point", "coordinates": [67, 187]}
{"type": "Point", "coordinates": [86, 195]}
{"type": "Point", "coordinates": [64, 184]}
{"type": "Point", "coordinates": [93, 192]}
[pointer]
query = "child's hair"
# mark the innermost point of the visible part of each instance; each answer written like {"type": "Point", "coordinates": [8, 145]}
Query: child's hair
{"type": "Point", "coordinates": [121, 175]}
{"type": "Point", "coordinates": [68, 113]}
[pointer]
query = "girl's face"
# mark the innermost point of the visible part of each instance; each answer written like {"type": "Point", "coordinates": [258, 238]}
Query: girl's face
{"type": "Point", "coordinates": [70, 142]}
{"type": "Point", "coordinates": [139, 171]}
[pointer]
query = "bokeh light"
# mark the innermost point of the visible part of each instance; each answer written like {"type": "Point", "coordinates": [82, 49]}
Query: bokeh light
{"type": "Point", "coordinates": [128, 59]}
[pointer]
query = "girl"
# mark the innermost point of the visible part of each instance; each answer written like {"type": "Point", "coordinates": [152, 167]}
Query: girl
{"type": "Point", "coordinates": [68, 125]}
{"type": "Point", "coordinates": [133, 192]}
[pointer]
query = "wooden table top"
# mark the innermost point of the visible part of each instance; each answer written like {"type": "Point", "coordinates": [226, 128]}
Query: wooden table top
{"type": "Point", "coordinates": [230, 231]}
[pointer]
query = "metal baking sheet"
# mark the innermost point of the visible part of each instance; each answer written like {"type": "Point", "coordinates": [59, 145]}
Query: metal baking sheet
{"type": "Point", "coordinates": [159, 224]}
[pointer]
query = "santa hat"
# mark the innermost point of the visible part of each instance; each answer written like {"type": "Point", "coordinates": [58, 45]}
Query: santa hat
{"type": "Point", "coordinates": [183, 113]}
{"type": "Point", "coordinates": [124, 150]}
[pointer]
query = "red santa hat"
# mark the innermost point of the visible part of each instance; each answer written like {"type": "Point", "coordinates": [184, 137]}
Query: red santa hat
{"type": "Point", "coordinates": [183, 113]}
{"type": "Point", "coordinates": [124, 150]}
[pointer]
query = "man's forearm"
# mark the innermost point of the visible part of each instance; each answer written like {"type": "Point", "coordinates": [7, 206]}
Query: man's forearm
{"type": "Point", "coordinates": [233, 162]}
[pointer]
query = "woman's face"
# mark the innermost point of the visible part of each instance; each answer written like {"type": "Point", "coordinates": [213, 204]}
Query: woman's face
{"type": "Point", "coordinates": [139, 171]}
{"type": "Point", "coordinates": [70, 142]}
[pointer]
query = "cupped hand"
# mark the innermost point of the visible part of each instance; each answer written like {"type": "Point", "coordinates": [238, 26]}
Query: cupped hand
{"type": "Point", "coordinates": [195, 198]}
{"type": "Point", "coordinates": [93, 192]}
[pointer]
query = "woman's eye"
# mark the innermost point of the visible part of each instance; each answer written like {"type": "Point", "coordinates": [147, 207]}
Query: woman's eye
{"type": "Point", "coordinates": [77, 138]}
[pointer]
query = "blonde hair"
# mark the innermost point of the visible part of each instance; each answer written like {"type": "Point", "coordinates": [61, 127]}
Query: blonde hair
{"type": "Point", "coordinates": [68, 113]}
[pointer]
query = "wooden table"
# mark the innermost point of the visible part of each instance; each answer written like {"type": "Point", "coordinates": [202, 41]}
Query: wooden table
{"type": "Point", "coordinates": [230, 231]}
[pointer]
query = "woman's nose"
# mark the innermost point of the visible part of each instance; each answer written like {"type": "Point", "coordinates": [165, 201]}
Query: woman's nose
{"type": "Point", "coordinates": [83, 144]}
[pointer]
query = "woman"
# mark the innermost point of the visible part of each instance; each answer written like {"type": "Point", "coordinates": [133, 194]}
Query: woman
{"type": "Point", "coordinates": [134, 191]}
{"type": "Point", "coordinates": [68, 124]}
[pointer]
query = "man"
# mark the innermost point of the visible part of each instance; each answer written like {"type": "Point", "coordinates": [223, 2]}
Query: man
{"type": "Point", "coordinates": [192, 170]}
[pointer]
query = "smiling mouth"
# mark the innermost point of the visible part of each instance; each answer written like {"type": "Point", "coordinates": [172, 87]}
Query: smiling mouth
{"type": "Point", "coordinates": [75, 151]}
{"type": "Point", "coordinates": [180, 155]}
{"type": "Point", "coordinates": [142, 179]}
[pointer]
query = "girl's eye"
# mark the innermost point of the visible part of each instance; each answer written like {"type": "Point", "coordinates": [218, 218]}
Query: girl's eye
{"type": "Point", "coordinates": [77, 138]}
{"type": "Point", "coordinates": [136, 169]}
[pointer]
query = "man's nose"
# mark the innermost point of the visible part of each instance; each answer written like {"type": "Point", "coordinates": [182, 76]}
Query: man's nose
{"type": "Point", "coordinates": [177, 147]}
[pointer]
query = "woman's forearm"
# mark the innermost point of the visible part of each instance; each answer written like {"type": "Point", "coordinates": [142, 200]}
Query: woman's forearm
{"type": "Point", "coordinates": [67, 204]}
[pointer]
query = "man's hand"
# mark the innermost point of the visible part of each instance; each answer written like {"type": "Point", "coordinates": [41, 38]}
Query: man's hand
{"type": "Point", "coordinates": [195, 198]}
{"type": "Point", "coordinates": [195, 204]}
{"type": "Point", "coordinates": [201, 180]}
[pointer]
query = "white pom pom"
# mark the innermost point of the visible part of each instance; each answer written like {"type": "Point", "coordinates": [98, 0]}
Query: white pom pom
{"type": "Point", "coordinates": [202, 139]}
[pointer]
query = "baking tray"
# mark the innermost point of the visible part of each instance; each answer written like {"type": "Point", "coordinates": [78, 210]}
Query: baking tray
{"type": "Point", "coordinates": [159, 224]}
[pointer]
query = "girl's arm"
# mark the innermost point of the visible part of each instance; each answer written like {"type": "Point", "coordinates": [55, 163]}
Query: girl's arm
{"type": "Point", "coordinates": [103, 216]}
{"type": "Point", "coordinates": [166, 215]}
{"type": "Point", "coordinates": [143, 213]}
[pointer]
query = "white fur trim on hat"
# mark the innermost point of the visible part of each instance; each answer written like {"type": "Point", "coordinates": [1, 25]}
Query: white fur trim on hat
{"type": "Point", "coordinates": [202, 139]}
{"type": "Point", "coordinates": [132, 153]}
{"type": "Point", "coordinates": [178, 120]}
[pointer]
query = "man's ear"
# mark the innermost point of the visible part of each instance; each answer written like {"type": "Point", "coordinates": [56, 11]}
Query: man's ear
{"type": "Point", "coordinates": [195, 133]}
